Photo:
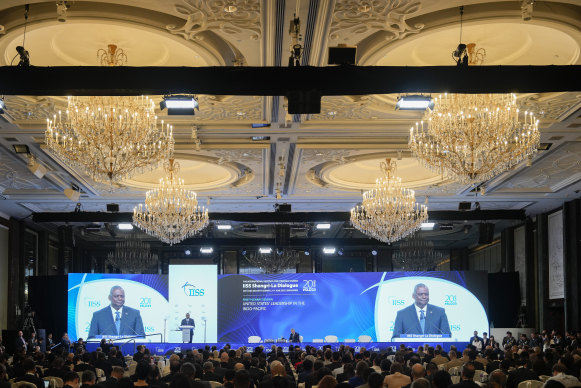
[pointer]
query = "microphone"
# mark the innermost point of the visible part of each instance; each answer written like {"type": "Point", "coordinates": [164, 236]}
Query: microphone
{"type": "Point", "coordinates": [130, 328]}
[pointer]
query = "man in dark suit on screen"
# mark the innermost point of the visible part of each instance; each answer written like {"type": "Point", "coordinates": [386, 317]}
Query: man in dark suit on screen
{"type": "Point", "coordinates": [421, 317]}
{"type": "Point", "coordinates": [116, 319]}
{"type": "Point", "coordinates": [187, 321]}
{"type": "Point", "coordinates": [294, 336]}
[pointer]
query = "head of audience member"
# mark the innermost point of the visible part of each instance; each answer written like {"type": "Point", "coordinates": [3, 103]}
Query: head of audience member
{"type": "Point", "coordinates": [88, 377]}
{"type": "Point", "coordinates": [327, 381]}
{"type": "Point", "coordinates": [452, 355]}
{"type": "Point", "coordinates": [277, 369]}
{"type": "Point", "coordinates": [558, 369]}
{"type": "Point", "coordinates": [431, 368]}
{"type": "Point", "coordinates": [468, 371]}
{"type": "Point", "coordinates": [322, 372]}
{"type": "Point", "coordinates": [375, 380]}
{"type": "Point", "coordinates": [385, 365]}
{"type": "Point", "coordinates": [242, 379]}
{"type": "Point", "coordinates": [307, 365]}
{"type": "Point", "coordinates": [442, 379]}
{"type": "Point", "coordinates": [497, 377]}
{"type": "Point", "coordinates": [29, 365]}
{"type": "Point", "coordinates": [421, 383]}
{"type": "Point", "coordinates": [396, 367]}
{"type": "Point", "coordinates": [71, 379]}
{"type": "Point", "coordinates": [349, 370]}
{"type": "Point", "coordinates": [360, 368]}
{"type": "Point", "coordinates": [142, 370]}
{"type": "Point", "coordinates": [189, 370]}
{"type": "Point", "coordinates": [117, 372]}
{"type": "Point", "coordinates": [180, 381]}
{"type": "Point", "coordinates": [418, 371]}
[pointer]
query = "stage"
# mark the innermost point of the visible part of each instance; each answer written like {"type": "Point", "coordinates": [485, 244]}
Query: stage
{"type": "Point", "coordinates": [164, 348]}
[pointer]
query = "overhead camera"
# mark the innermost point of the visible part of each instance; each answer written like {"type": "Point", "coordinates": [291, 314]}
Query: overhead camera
{"type": "Point", "coordinates": [460, 55]}
{"type": "Point", "coordinates": [527, 10]}
{"type": "Point", "coordinates": [24, 56]}
{"type": "Point", "coordinates": [61, 10]}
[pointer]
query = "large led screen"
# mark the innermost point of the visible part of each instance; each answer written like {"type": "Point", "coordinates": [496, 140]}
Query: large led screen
{"type": "Point", "coordinates": [381, 307]}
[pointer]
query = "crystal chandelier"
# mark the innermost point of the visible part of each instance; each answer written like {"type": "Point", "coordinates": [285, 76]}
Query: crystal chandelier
{"type": "Point", "coordinates": [110, 138]}
{"type": "Point", "coordinates": [474, 137]}
{"type": "Point", "coordinates": [417, 254]}
{"type": "Point", "coordinates": [132, 256]}
{"type": "Point", "coordinates": [171, 212]}
{"type": "Point", "coordinates": [389, 212]}
{"type": "Point", "coordinates": [276, 261]}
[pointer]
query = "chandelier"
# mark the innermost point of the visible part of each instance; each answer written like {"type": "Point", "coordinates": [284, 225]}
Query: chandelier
{"type": "Point", "coordinates": [474, 137]}
{"type": "Point", "coordinates": [110, 138]}
{"type": "Point", "coordinates": [389, 211]}
{"type": "Point", "coordinates": [417, 254]}
{"type": "Point", "coordinates": [132, 256]}
{"type": "Point", "coordinates": [276, 261]}
{"type": "Point", "coordinates": [171, 212]}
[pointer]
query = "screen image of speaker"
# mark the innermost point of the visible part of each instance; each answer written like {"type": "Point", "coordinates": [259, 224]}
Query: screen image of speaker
{"type": "Point", "coordinates": [486, 234]}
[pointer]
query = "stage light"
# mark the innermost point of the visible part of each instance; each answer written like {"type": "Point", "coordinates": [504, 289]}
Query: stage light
{"type": "Point", "coordinates": [36, 168]}
{"type": "Point", "coordinates": [179, 104]}
{"type": "Point", "coordinates": [265, 250]}
{"type": "Point", "coordinates": [260, 138]}
{"type": "Point", "coordinates": [374, 252]}
{"type": "Point", "coordinates": [527, 9]}
{"type": "Point", "coordinates": [323, 226]}
{"type": "Point", "coordinates": [414, 102]}
{"type": "Point", "coordinates": [428, 225]}
{"type": "Point", "coordinates": [329, 250]}
{"type": "Point", "coordinates": [340, 252]}
{"type": "Point", "coordinates": [187, 252]}
{"type": "Point", "coordinates": [73, 195]}
{"type": "Point", "coordinates": [125, 226]}
{"type": "Point", "coordinates": [243, 252]}
{"type": "Point", "coordinates": [307, 252]}
{"type": "Point", "coordinates": [61, 11]}
{"type": "Point", "coordinates": [224, 227]}
{"type": "Point", "coordinates": [2, 105]}
{"type": "Point", "coordinates": [206, 250]}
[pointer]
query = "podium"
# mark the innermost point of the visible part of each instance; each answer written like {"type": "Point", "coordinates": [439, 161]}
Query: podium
{"type": "Point", "coordinates": [186, 332]}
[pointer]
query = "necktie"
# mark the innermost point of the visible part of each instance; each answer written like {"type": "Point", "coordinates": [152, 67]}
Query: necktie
{"type": "Point", "coordinates": [422, 321]}
{"type": "Point", "coordinates": [117, 322]}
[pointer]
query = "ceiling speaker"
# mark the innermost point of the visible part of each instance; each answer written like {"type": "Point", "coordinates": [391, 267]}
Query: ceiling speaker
{"type": "Point", "coordinates": [486, 233]}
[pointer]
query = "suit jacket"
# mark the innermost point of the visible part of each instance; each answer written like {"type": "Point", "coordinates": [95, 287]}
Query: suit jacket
{"type": "Point", "coordinates": [407, 321]}
{"type": "Point", "coordinates": [103, 323]}
{"type": "Point", "coordinates": [396, 380]}
{"type": "Point", "coordinates": [186, 323]}
{"type": "Point", "coordinates": [465, 384]}
{"type": "Point", "coordinates": [518, 376]}
{"type": "Point", "coordinates": [31, 379]}
{"type": "Point", "coordinates": [294, 337]}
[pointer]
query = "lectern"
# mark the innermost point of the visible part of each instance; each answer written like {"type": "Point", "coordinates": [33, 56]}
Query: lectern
{"type": "Point", "coordinates": [186, 332]}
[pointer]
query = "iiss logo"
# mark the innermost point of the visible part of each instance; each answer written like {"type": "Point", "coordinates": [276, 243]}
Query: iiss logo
{"type": "Point", "coordinates": [396, 302]}
{"type": "Point", "coordinates": [93, 303]}
{"type": "Point", "coordinates": [450, 300]}
{"type": "Point", "coordinates": [191, 290]}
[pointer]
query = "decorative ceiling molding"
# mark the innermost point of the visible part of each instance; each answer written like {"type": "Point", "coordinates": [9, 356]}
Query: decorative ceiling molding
{"type": "Point", "coordinates": [239, 108]}
{"type": "Point", "coordinates": [15, 175]}
{"type": "Point", "coordinates": [27, 108]}
{"type": "Point", "coordinates": [209, 15]}
{"type": "Point", "coordinates": [551, 106]}
{"type": "Point", "coordinates": [388, 16]}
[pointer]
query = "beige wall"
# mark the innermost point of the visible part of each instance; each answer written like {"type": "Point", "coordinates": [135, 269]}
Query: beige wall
{"type": "Point", "coordinates": [3, 277]}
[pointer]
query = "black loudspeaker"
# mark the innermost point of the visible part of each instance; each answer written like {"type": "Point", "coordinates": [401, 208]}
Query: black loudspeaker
{"type": "Point", "coordinates": [112, 207]}
{"type": "Point", "coordinates": [282, 235]}
{"type": "Point", "coordinates": [486, 233]}
{"type": "Point", "coordinates": [283, 207]}
{"type": "Point", "coordinates": [464, 205]}
{"type": "Point", "coordinates": [342, 55]}
{"type": "Point", "coordinates": [303, 102]}
{"type": "Point", "coordinates": [9, 340]}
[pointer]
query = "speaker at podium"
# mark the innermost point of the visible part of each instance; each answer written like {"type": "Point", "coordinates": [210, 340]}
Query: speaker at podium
{"type": "Point", "coordinates": [187, 333]}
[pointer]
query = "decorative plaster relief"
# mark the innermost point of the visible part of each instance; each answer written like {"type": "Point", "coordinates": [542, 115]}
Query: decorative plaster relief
{"type": "Point", "coordinates": [389, 16]}
{"type": "Point", "coordinates": [209, 15]}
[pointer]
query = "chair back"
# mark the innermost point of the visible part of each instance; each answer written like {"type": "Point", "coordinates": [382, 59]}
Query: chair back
{"type": "Point", "coordinates": [317, 340]}
{"type": "Point", "coordinates": [215, 384]}
{"type": "Point", "coordinates": [254, 339]}
{"type": "Point", "coordinates": [454, 371]}
{"type": "Point", "coordinates": [331, 338]}
{"type": "Point", "coordinates": [23, 384]}
{"type": "Point", "coordinates": [544, 378]}
{"type": "Point", "coordinates": [54, 382]}
{"type": "Point", "coordinates": [530, 384]}
{"type": "Point", "coordinates": [455, 379]}
{"type": "Point", "coordinates": [480, 375]}
{"type": "Point", "coordinates": [364, 338]}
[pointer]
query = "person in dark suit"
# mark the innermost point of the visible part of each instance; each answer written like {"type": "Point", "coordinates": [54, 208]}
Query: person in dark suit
{"type": "Point", "coordinates": [3, 380]}
{"type": "Point", "coordinates": [187, 321]}
{"type": "Point", "coordinates": [66, 343]}
{"type": "Point", "coordinates": [466, 377]}
{"type": "Point", "coordinates": [113, 380]}
{"type": "Point", "coordinates": [20, 342]}
{"type": "Point", "coordinates": [71, 380]}
{"type": "Point", "coordinates": [421, 317]}
{"type": "Point", "coordinates": [520, 374]}
{"type": "Point", "coordinates": [116, 319]}
{"type": "Point", "coordinates": [294, 336]}
{"type": "Point", "coordinates": [30, 376]}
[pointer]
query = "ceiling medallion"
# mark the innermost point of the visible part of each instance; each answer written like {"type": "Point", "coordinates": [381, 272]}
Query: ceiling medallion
{"type": "Point", "coordinates": [473, 137]}
{"type": "Point", "coordinates": [110, 138]}
{"type": "Point", "coordinates": [171, 212]}
{"type": "Point", "coordinates": [389, 212]}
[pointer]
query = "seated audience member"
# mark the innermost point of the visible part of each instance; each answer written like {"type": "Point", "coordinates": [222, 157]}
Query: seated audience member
{"type": "Point", "coordinates": [277, 371]}
{"type": "Point", "coordinates": [71, 380]}
{"type": "Point", "coordinates": [141, 373]}
{"type": "Point", "coordinates": [374, 380]}
{"type": "Point", "coordinates": [441, 379]}
{"type": "Point", "coordinates": [418, 372]}
{"type": "Point", "coordinates": [498, 378]}
{"type": "Point", "coordinates": [30, 373]}
{"type": "Point", "coordinates": [328, 382]}
{"type": "Point", "coordinates": [208, 372]}
{"type": "Point", "coordinates": [242, 379]}
{"type": "Point", "coordinates": [88, 379]}
{"type": "Point", "coordinates": [189, 370]}
{"type": "Point", "coordinates": [3, 380]}
{"type": "Point", "coordinates": [454, 361]}
{"type": "Point", "coordinates": [57, 368]}
{"type": "Point", "coordinates": [520, 374]}
{"type": "Point", "coordinates": [255, 372]}
{"type": "Point", "coordinates": [174, 369]}
{"type": "Point", "coordinates": [322, 372]}
{"type": "Point", "coordinates": [358, 379]}
{"type": "Point", "coordinates": [466, 377]}
{"type": "Point", "coordinates": [421, 383]}
{"type": "Point", "coordinates": [559, 375]}
{"type": "Point", "coordinates": [396, 378]}
{"type": "Point", "coordinates": [229, 378]}
{"type": "Point", "coordinates": [113, 380]}
{"type": "Point", "coordinates": [439, 359]}
{"type": "Point", "coordinates": [348, 372]}
{"type": "Point", "coordinates": [181, 381]}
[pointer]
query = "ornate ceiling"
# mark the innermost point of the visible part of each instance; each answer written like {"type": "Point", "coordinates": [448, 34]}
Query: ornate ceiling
{"type": "Point", "coordinates": [318, 162]}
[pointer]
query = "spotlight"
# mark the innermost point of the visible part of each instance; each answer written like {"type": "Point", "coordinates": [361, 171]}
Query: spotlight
{"type": "Point", "coordinates": [414, 102]}
{"type": "Point", "coordinates": [323, 226]}
{"type": "Point", "coordinates": [61, 10]}
{"type": "Point", "coordinates": [180, 104]}
{"type": "Point", "coordinates": [329, 250]}
{"type": "Point", "coordinates": [72, 194]}
{"type": "Point", "coordinates": [340, 252]}
{"type": "Point", "coordinates": [265, 250]}
{"type": "Point", "coordinates": [2, 105]}
{"type": "Point", "coordinates": [187, 252]}
{"type": "Point", "coordinates": [243, 252]}
{"type": "Point", "coordinates": [125, 226]}
{"type": "Point", "coordinates": [307, 252]}
{"type": "Point", "coordinates": [224, 227]}
{"type": "Point", "coordinates": [428, 225]}
{"type": "Point", "coordinates": [206, 250]}
{"type": "Point", "coordinates": [374, 252]}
